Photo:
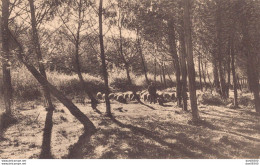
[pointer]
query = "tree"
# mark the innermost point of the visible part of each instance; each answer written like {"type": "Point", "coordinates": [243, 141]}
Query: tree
{"type": "Point", "coordinates": [79, 7]}
{"type": "Point", "coordinates": [190, 62]}
{"type": "Point", "coordinates": [6, 64]}
{"type": "Point", "coordinates": [252, 59]}
{"type": "Point", "coordinates": [37, 48]}
{"type": "Point", "coordinates": [103, 59]}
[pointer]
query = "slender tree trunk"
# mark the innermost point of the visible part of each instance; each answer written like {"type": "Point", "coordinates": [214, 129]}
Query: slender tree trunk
{"type": "Point", "coordinates": [163, 73]}
{"type": "Point", "coordinates": [126, 65]}
{"type": "Point", "coordinates": [199, 59]}
{"type": "Point", "coordinates": [232, 53]}
{"type": "Point", "coordinates": [252, 73]}
{"type": "Point", "coordinates": [142, 59]}
{"type": "Point", "coordinates": [183, 69]}
{"type": "Point", "coordinates": [228, 74]}
{"type": "Point", "coordinates": [190, 62]}
{"type": "Point", "coordinates": [103, 59]}
{"type": "Point", "coordinates": [38, 52]}
{"type": "Point", "coordinates": [155, 70]}
{"type": "Point", "coordinates": [83, 84]}
{"type": "Point", "coordinates": [219, 49]}
{"type": "Point", "coordinates": [6, 65]}
{"type": "Point", "coordinates": [175, 58]}
{"type": "Point", "coordinates": [215, 74]}
{"type": "Point", "coordinates": [203, 75]}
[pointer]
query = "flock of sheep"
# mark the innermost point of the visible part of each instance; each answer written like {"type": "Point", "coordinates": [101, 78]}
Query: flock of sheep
{"type": "Point", "coordinates": [144, 95]}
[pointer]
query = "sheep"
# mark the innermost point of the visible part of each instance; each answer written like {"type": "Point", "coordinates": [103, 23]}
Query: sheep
{"type": "Point", "coordinates": [166, 96]}
{"type": "Point", "coordinates": [111, 96]}
{"type": "Point", "coordinates": [104, 96]}
{"type": "Point", "coordinates": [121, 99]}
{"type": "Point", "coordinates": [99, 95]}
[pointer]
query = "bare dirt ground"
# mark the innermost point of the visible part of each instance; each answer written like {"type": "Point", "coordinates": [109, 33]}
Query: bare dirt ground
{"type": "Point", "coordinates": [138, 131]}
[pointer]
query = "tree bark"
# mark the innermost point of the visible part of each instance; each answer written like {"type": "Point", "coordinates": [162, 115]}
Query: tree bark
{"type": "Point", "coordinates": [38, 52]}
{"type": "Point", "coordinates": [175, 58]}
{"type": "Point", "coordinates": [142, 59]}
{"type": "Point", "coordinates": [252, 74]}
{"type": "Point", "coordinates": [103, 59]}
{"type": "Point", "coordinates": [83, 84]}
{"type": "Point", "coordinates": [199, 61]}
{"type": "Point", "coordinates": [219, 49]}
{"type": "Point", "coordinates": [190, 62]}
{"type": "Point", "coordinates": [6, 64]}
{"type": "Point", "coordinates": [183, 69]}
{"type": "Point", "coordinates": [232, 53]}
{"type": "Point", "coordinates": [203, 75]}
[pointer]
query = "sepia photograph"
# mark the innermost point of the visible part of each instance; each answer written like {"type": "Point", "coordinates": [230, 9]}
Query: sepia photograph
{"type": "Point", "coordinates": [129, 79]}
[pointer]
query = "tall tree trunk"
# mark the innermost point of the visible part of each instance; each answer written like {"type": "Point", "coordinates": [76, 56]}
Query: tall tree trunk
{"type": "Point", "coordinates": [175, 58]}
{"type": "Point", "coordinates": [7, 85]}
{"type": "Point", "coordinates": [155, 70]}
{"type": "Point", "coordinates": [83, 84]}
{"type": "Point", "coordinates": [252, 73]}
{"type": "Point", "coordinates": [199, 61]}
{"type": "Point", "coordinates": [163, 73]}
{"type": "Point", "coordinates": [126, 64]}
{"type": "Point", "coordinates": [232, 53]}
{"type": "Point", "coordinates": [183, 69]}
{"type": "Point", "coordinates": [203, 75]}
{"type": "Point", "coordinates": [88, 125]}
{"type": "Point", "coordinates": [142, 58]}
{"type": "Point", "coordinates": [219, 49]}
{"type": "Point", "coordinates": [38, 52]}
{"type": "Point", "coordinates": [190, 62]}
{"type": "Point", "coordinates": [228, 74]}
{"type": "Point", "coordinates": [215, 74]}
{"type": "Point", "coordinates": [103, 59]}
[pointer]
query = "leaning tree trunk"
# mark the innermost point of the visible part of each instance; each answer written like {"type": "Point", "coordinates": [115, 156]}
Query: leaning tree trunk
{"type": "Point", "coordinates": [7, 86]}
{"type": "Point", "coordinates": [88, 125]}
{"type": "Point", "coordinates": [38, 52]}
{"type": "Point", "coordinates": [216, 82]}
{"type": "Point", "coordinates": [103, 59]}
{"type": "Point", "coordinates": [190, 62]}
{"type": "Point", "coordinates": [175, 58]}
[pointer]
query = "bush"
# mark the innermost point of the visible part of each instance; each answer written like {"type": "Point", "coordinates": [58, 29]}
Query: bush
{"type": "Point", "coordinates": [210, 99]}
{"type": "Point", "coordinates": [246, 101]}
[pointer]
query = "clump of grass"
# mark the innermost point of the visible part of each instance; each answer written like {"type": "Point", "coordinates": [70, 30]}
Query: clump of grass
{"type": "Point", "coordinates": [246, 101]}
{"type": "Point", "coordinates": [210, 99]}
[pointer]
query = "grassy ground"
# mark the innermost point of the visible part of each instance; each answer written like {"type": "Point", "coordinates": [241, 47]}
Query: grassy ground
{"type": "Point", "coordinates": [138, 131]}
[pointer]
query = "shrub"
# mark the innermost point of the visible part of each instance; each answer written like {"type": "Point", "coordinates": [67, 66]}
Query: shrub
{"type": "Point", "coordinates": [210, 99]}
{"type": "Point", "coordinates": [246, 101]}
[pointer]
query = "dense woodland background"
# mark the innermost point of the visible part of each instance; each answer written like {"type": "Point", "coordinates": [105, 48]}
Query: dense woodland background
{"type": "Point", "coordinates": [97, 52]}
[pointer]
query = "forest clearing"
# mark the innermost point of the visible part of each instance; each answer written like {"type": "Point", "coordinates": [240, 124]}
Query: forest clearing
{"type": "Point", "coordinates": [130, 79]}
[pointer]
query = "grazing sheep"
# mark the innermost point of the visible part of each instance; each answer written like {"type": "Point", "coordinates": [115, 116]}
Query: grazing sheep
{"type": "Point", "coordinates": [126, 95]}
{"type": "Point", "coordinates": [160, 100]}
{"type": "Point", "coordinates": [111, 96]}
{"type": "Point", "coordinates": [166, 96]}
{"type": "Point", "coordinates": [131, 96]}
{"type": "Point", "coordinates": [173, 96]}
{"type": "Point", "coordinates": [121, 99]}
{"type": "Point", "coordinates": [99, 95]}
{"type": "Point", "coordinates": [103, 96]}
